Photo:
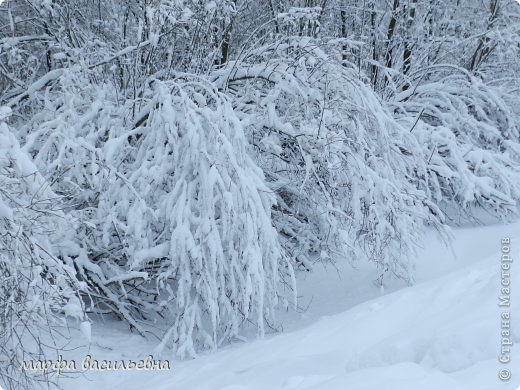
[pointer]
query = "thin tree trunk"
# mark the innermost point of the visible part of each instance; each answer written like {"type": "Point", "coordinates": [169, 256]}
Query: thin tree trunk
{"type": "Point", "coordinates": [407, 54]}
{"type": "Point", "coordinates": [343, 16]}
{"type": "Point", "coordinates": [389, 36]}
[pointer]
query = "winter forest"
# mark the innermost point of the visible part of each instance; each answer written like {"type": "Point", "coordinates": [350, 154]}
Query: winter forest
{"type": "Point", "coordinates": [178, 166]}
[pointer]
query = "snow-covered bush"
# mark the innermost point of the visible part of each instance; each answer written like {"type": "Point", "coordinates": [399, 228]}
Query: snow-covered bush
{"type": "Point", "coordinates": [37, 289]}
{"type": "Point", "coordinates": [70, 121]}
{"type": "Point", "coordinates": [174, 216]}
{"type": "Point", "coordinates": [194, 214]}
{"type": "Point", "coordinates": [341, 166]}
{"type": "Point", "coordinates": [470, 137]}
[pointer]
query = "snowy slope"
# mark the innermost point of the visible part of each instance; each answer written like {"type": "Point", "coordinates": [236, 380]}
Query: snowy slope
{"type": "Point", "coordinates": [441, 334]}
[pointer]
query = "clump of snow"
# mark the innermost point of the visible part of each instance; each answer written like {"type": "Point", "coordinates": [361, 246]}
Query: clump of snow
{"type": "Point", "coordinates": [86, 330]}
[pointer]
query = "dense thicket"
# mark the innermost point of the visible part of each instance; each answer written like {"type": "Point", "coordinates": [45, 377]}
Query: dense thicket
{"type": "Point", "coordinates": [180, 160]}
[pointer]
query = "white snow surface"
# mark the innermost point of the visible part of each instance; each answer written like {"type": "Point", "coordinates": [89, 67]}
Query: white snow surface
{"type": "Point", "coordinates": [441, 334]}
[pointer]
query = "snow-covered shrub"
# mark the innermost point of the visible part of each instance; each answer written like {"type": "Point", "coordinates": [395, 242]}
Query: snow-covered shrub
{"type": "Point", "coordinates": [470, 138]}
{"type": "Point", "coordinates": [341, 166]}
{"type": "Point", "coordinates": [37, 289]}
{"type": "Point", "coordinates": [70, 121]}
{"type": "Point", "coordinates": [194, 214]}
{"type": "Point", "coordinates": [174, 216]}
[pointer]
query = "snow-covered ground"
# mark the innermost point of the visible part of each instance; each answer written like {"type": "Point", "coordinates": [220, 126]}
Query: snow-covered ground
{"type": "Point", "coordinates": [442, 333]}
